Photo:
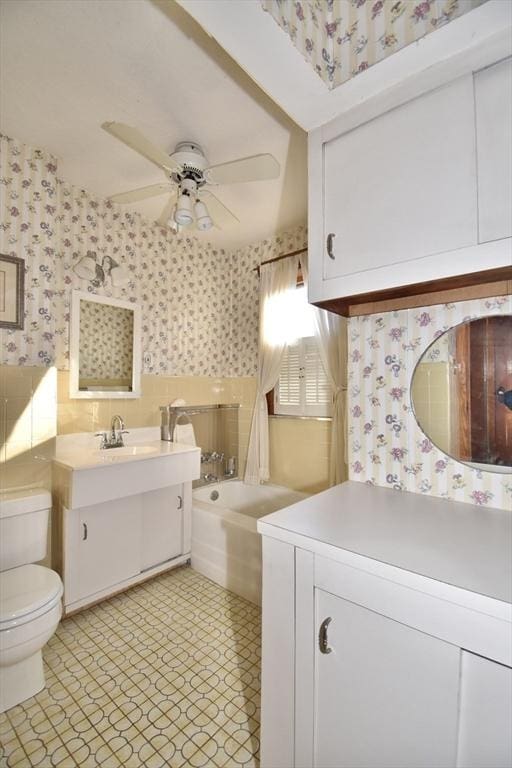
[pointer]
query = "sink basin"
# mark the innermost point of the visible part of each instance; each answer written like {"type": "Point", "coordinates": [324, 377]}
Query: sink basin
{"type": "Point", "coordinates": [126, 450]}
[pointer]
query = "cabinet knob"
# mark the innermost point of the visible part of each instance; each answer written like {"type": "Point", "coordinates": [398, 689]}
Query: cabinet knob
{"type": "Point", "coordinates": [330, 252]}
{"type": "Point", "coordinates": [180, 502]}
{"type": "Point", "coordinates": [84, 537]}
{"type": "Point", "coordinates": [323, 642]}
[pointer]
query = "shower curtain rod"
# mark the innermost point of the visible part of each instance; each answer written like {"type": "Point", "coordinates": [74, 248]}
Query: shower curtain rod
{"type": "Point", "coordinates": [278, 258]}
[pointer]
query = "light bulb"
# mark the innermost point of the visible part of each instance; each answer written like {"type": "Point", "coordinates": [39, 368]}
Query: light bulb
{"type": "Point", "coordinates": [203, 218]}
{"type": "Point", "coordinates": [183, 213]}
{"type": "Point", "coordinates": [120, 276]}
{"type": "Point", "coordinates": [86, 268]}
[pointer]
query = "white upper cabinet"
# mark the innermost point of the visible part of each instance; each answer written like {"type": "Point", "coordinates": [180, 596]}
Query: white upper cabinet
{"type": "Point", "coordinates": [493, 99]}
{"type": "Point", "coordinates": [400, 187]}
{"type": "Point", "coordinates": [412, 188]}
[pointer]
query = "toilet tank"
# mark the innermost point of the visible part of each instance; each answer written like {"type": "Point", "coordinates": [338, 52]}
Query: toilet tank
{"type": "Point", "coordinates": [23, 527]}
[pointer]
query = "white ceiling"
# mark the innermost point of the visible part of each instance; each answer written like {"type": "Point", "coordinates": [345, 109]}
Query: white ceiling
{"type": "Point", "coordinates": [66, 66]}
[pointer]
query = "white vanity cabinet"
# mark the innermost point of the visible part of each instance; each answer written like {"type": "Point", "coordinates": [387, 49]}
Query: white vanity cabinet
{"type": "Point", "coordinates": [387, 633]}
{"type": "Point", "coordinates": [409, 192]}
{"type": "Point", "coordinates": [120, 519]}
{"type": "Point", "coordinates": [93, 563]}
{"type": "Point", "coordinates": [485, 727]}
{"type": "Point", "coordinates": [111, 543]}
{"type": "Point", "coordinates": [382, 691]}
{"type": "Point", "coordinates": [162, 525]}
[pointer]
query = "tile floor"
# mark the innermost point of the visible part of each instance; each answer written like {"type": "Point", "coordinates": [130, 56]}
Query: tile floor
{"type": "Point", "coordinates": [166, 674]}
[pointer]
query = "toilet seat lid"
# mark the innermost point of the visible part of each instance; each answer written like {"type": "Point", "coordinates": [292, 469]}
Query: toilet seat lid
{"type": "Point", "coordinates": [27, 589]}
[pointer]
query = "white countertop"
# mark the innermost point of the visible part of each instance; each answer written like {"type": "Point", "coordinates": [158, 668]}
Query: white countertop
{"type": "Point", "coordinates": [82, 450]}
{"type": "Point", "coordinates": [82, 459]}
{"type": "Point", "coordinates": [462, 545]}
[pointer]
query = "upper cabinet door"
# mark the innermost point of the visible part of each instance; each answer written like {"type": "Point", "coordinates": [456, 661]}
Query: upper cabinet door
{"type": "Point", "coordinates": [493, 96]}
{"type": "Point", "coordinates": [401, 187]}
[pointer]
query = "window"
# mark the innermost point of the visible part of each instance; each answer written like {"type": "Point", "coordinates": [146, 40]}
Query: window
{"type": "Point", "coordinates": [302, 388]}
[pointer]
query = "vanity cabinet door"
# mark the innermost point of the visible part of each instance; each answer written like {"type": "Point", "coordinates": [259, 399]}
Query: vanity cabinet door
{"type": "Point", "coordinates": [161, 525]}
{"type": "Point", "coordinates": [493, 99]}
{"type": "Point", "coordinates": [106, 546]}
{"type": "Point", "coordinates": [485, 724]}
{"type": "Point", "coordinates": [386, 694]}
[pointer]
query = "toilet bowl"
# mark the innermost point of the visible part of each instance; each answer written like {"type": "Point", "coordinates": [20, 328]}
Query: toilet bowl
{"type": "Point", "coordinates": [30, 595]}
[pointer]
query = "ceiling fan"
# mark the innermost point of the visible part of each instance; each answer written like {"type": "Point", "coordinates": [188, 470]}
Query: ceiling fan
{"type": "Point", "coordinates": [188, 178]}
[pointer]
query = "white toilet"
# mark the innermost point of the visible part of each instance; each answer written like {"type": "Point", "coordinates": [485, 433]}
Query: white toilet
{"type": "Point", "coordinates": [30, 595]}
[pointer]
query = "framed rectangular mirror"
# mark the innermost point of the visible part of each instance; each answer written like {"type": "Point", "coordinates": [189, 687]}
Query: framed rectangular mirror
{"type": "Point", "coordinates": [105, 347]}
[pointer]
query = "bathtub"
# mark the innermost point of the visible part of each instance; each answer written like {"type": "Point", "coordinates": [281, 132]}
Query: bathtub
{"type": "Point", "coordinates": [225, 545]}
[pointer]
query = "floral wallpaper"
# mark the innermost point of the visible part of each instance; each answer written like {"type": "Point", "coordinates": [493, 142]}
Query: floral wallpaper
{"type": "Point", "coordinates": [386, 445]}
{"type": "Point", "coordinates": [106, 341]}
{"type": "Point", "coordinates": [341, 38]}
{"type": "Point", "coordinates": [199, 303]}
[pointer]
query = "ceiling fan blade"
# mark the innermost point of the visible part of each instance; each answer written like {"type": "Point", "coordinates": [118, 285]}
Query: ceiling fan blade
{"type": "Point", "coordinates": [255, 168]}
{"type": "Point", "coordinates": [164, 217]}
{"type": "Point", "coordinates": [135, 140]}
{"type": "Point", "coordinates": [140, 194]}
{"type": "Point", "coordinates": [221, 216]}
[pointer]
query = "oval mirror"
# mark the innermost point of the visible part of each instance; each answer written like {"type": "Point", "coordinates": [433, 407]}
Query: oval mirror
{"type": "Point", "coordinates": [462, 393]}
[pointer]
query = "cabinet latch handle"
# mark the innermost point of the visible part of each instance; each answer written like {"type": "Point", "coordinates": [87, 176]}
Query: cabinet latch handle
{"type": "Point", "coordinates": [180, 502]}
{"type": "Point", "coordinates": [323, 642]}
{"type": "Point", "coordinates": [84, 537]}
{"type": "Point", "coordinates": [330, 252]}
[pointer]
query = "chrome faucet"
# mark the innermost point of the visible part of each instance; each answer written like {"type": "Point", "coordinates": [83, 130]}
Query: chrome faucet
{"type": "Point", "coordinates": [209, 457]}
{"type": "Point", "coordinates": [115, 439]}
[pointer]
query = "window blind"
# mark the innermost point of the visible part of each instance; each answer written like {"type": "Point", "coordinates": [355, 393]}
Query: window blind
{"type": "Point", "coordinates": [303, 388]}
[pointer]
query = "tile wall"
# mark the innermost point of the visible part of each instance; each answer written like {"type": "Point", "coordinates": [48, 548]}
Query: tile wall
{"type": "Point", "coordinates": [299, 453]}
{"type": "Point", "coordinates": [95, 415]}
{"type": "Point", "coordinates": [28, 425]}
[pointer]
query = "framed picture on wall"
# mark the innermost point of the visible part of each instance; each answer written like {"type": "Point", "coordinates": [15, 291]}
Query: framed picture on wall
{"type": "Point", "coordinates": [12, 277]}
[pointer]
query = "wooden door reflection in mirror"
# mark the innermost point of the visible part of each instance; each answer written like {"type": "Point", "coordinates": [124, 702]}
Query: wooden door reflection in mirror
{"type": "Point", "coordinates": [462, 392]}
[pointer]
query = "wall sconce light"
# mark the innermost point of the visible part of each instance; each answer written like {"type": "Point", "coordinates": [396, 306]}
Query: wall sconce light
{"type": "Point", "coordinates": [89, 268]}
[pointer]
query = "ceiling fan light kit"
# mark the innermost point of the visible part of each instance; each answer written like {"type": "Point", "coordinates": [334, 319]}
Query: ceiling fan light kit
{"type": "Point", "coordinates": [188, 174]}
